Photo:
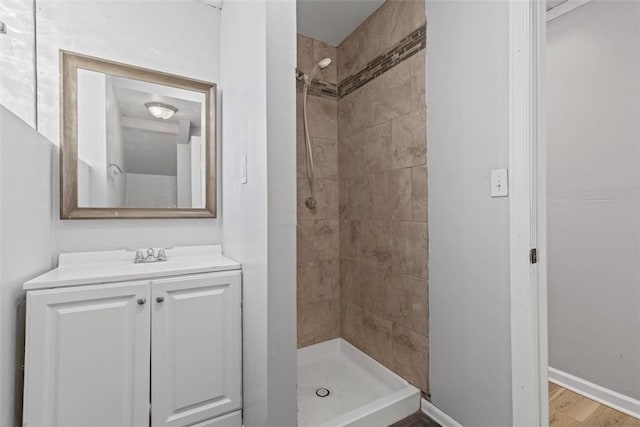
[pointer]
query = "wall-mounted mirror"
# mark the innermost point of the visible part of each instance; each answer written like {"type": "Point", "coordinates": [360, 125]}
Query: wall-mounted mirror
{"type": "Point", "coordinates": [135, 143]}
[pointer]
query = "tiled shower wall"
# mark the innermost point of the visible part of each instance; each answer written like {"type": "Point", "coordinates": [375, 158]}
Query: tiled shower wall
{"type": "Point", "coordinates": [318, 259]}
{"type": "Point", "coordinates": [379, 197]}
{"type": "Point", "coordinates": [383, 193]}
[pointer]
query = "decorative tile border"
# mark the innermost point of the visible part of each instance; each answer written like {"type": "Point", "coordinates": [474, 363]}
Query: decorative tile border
{"type": "Point", "coordinates": [320, 88]}
{"type": "Point", "coordinates": [403, 50]}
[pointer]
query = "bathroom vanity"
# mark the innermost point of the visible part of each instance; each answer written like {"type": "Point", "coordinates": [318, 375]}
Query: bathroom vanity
{"type": "Point", "coordinates": [110, 342]}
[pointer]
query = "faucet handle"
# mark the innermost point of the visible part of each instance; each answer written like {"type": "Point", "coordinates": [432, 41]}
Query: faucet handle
{"type": "Point", "coordinates": [151, 257]}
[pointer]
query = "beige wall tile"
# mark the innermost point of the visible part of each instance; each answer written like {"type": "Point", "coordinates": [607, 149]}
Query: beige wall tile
{"type": "Point", "coordinates": [409, 139]}
{"type": "Point", "coordinates": [318, 322]}
{"type": "Point", "coordinates": [350, 239]}
{"type": "Point", "coordinates": [406, 16]}
{"type": "Point", "coordinates": [351, 323]}
{"type": "Point", "coordinates": [317, 240]}
{"type": "Point", "coordinates": [305, 53]}
{"type": "Point", "coordinates": [325, 157]}
{"type": "Point", "coordinates": [327, 320]}
{"type": "Point", "coordinates": [355, 111]}
{"type": "Point", "coordinates": [299, 122]}
{"type": "Point", "coordinates": [392, 195]}
{"type": "Point", "coordinates": [375, 144]}
{"type": "Point", "coordinates": [350, 158]}
{"type": "Point", "coordinates": [419, 192]}
{"type": "Point", "coordinates": [318, 281]}
{"type": "Point", "coordinates": [411, 356]}
{"type": "Point", "coordinates": [391, 93]}
{"type": "Point", "coordinates": [360, 202]}
{"type": "Point", "coordinates": [350, 282]}
{"type": "Point", "coordinates": [377, 337]}
{"type": "Point", "coordinates": [408, 303]}
{"type": "Point", "coordinates": [418, 80]}
{"type": "Point", "coordinates": [301, 166]}
{"type": "Point", "coordinates": [376, 245]}
{"type": "Point", "coordinates": [410, 248]}
{"type": "Point", "coordinates": [322, 117]}
{"type": "Point", "coordinates": [348, 56]}
{"type": "Point", "coordinates": [325, 191]}
{"type": "Point", "coordinates": [374, 36]}
{"type": "Point", "coordinates": [343, 199]}
{"type": "Point", "coordinates": [376, 288]}
{"type": "Point", "coordinates": [305, 325]}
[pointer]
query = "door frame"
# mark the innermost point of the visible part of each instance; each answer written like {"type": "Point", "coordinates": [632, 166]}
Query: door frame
{"type": "Point", "coordinates": [527, 208]}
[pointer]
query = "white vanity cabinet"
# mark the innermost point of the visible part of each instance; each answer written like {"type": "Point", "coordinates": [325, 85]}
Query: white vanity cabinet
{"type": "Point", "coordinates": [195, 348]}
{"type": "Point", "coordinates": [145, 346]}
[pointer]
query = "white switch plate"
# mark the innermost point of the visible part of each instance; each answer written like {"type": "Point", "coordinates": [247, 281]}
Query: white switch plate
{"type": "Point", "coordinates": [499, 183]}
{"type": "Point", "coordinates": [243, 170]}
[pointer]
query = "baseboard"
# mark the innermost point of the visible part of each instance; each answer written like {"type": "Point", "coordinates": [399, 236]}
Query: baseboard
{"type": "Point", "coordinates": [437, 415]}
{"type": "Point", "coordinates": [607, 397]}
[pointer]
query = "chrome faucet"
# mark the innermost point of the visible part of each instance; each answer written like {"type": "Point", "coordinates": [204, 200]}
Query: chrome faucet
{"type": "Point", "coordinates": [150, 257]}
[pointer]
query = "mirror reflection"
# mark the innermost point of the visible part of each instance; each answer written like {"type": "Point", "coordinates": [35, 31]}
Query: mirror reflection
{"type": "Point", "coordinates": [140, 144]}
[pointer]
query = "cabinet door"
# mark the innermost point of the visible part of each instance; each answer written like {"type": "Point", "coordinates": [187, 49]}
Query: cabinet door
{"type": "Point", "coordinates": [87, 356]}
{"type": "Point", "coordinates": [196, 348]}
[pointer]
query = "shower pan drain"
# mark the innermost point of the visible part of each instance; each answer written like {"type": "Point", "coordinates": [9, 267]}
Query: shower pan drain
{"type": "Point", "coordinates": [323, 392]}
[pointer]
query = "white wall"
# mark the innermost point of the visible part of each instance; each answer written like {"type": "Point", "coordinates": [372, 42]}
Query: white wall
{"type": "Point", "coordinates": [469, 295]}
{"type": "Point", "coordinates": [92, 133]}
{"type": "Point", "coordinates": [127, 32]}
{"type": "Point", "coordinates": [84, 184]}
{"type": "Point", "coordinates": [244, 207]}
{"type": "Point", "coordinates": [183, 175]}
{"type": "Point", "coordinates": [25, 235]}
{"type": "Point", "coordinates": [593, 83]}
{"type": "Point", "coordinates": [17, 76]}
{"type": "Point", "coordinates": [260, 215]}
{"type": "Point", "coordinates": [136, 32]}
{"type": "Point", "coordinates": [151, 191]}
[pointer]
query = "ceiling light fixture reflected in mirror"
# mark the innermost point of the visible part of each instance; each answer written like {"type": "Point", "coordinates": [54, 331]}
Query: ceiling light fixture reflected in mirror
{"type": "Point", "coordinates": [160, 110]}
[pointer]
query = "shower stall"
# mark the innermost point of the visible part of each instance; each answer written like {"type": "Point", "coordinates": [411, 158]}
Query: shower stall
{"type": "Point", "coordinates": [362, 294]}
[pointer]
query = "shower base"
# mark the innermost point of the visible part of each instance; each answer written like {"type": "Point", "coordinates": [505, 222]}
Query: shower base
{"type": "Point", "coordinates": [339, 385]}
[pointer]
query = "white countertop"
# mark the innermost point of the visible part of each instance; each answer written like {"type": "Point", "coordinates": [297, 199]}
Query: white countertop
{"type": "Point", "coordinates": [89, 268]}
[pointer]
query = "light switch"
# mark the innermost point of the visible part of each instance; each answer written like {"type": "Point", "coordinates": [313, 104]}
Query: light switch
{"type": "Point", "coordinates": [243, 170]}
{"type": "Point", "coordinates": [499, 183]}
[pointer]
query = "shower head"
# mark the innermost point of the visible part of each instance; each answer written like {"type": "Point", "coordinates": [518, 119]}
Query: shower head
{"type": "Point", "coordinates": [324, 63]}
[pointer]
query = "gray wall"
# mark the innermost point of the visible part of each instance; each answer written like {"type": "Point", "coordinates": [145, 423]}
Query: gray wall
{"type": "Point", "coordinates": [26, 237]}
{"type": "Point", "coordinates": [467, 115]}
{"type": "Point", "coordinates": [593, 82]}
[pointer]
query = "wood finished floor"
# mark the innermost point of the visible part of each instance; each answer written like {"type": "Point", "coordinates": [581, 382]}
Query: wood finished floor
{"type": "Point", "coordinates": [569, 409]}
{"type": "Point", "coordinates": [566, 409]}
{"type": "Point", "coordinates": [419, 419]}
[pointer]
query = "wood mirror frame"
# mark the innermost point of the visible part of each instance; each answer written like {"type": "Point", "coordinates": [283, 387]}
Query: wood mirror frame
{"type": "Point", "coordinates": [69, 64]}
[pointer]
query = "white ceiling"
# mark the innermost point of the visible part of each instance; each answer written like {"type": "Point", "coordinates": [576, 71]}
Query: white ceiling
{"type": "Point", "coordinates": [553, 3]}
{"type": "Point", "coordinates": [331, 21]}
{"type": "Point", "coordinates": [146, 151]}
